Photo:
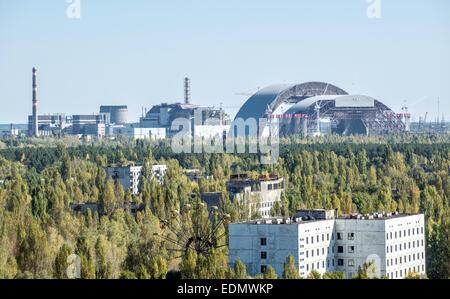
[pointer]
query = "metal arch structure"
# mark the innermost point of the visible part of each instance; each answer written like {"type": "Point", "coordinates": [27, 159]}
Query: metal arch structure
{"type": "Point", "coordinates": [267, 100]}
{"type": "Point", "coordinates": [352, 114]}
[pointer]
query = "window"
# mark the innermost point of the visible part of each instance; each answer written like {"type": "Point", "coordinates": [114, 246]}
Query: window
{"type": "Point", "coordinates": [396, 235]}
{"type": "Point", "coordinates": [263, 255]}
{"type": "Point", "coordinates": [263, 242]}
{"type": "Point", "coordinates": [318, 240]}
{"type": "Point", "coordinates": [263, 269]}
{"type": "Point", "coordinates": [351, 249]}
{"type": "Point", "coordinates": [351, 236]}
{"type": "Point", "coordinates": [328, 237]}
{"type": "Point", "coordinates": [340, 262]}
{"type": "Point", "coordinates": [323, 238]}
{"type": "Point", "coordinates": [387, 236]}
{"type": "Point", "coordinates": [318, 252]}
{"type": "Point", "coordinates": [340, 249]}
{"type": "Point", "coordinates": [307, 240]}
{"type": "Point", "coordinates": [339, 236]}
{"type": "Point", "coordinates": [351, 263]}
{"type": "Point", "coordinates": [307, 253]}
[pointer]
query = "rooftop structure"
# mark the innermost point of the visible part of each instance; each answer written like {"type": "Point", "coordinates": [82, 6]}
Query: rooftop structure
{"type": "Point", "coordinates": [393, 242]}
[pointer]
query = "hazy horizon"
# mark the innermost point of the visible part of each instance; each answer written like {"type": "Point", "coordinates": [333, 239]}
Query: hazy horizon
{"type": "Point", "coordinates": [138, 53]}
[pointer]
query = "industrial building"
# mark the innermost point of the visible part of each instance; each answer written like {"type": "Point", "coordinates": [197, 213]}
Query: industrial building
{"type": "Point", "coordinates": [258, 193]}
{"type": "Point", "coordinates": [394, 243]}
{"type": "Point", "coordinates": [115, 114]}
{"type": "Point", "coordinates": [300, 109]}
{"type": "Point", "coordinates": [206, 122]}
{"type": "Point", "coordinates": [129, 175]}
{"type": "Point", "coordinates": [312, 108]}
{"type": "Point", "coordinates": [203, 120]}
{"type": "Point", "coordinates": [50, 125]}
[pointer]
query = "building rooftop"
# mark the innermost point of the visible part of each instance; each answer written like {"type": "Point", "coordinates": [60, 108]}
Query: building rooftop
{"type": "Point", "coordinates": [309, 219]}
{"type": "Point", "coordinates": [248, 178]}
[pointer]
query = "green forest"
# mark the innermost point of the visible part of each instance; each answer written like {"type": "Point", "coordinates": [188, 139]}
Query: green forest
{"type": "Point", "coordinates": [40, 178]}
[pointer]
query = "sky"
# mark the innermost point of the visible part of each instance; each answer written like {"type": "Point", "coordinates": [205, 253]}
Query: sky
{"type": "Point", "coordinates": [137, 52]}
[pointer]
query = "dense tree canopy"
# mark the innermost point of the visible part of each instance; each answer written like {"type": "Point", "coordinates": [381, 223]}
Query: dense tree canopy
{"type": "Point", "coordinates": [39, 179]}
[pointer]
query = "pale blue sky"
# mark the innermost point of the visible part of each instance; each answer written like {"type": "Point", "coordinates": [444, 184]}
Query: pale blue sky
{"type": "Point", "coordinates": [137, 52]}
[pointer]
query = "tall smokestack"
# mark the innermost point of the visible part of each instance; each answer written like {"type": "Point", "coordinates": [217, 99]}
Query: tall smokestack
{"type": "Point", "coordinates": [187, 90]}
{"type": "Point", "coordinates": [35, 127]}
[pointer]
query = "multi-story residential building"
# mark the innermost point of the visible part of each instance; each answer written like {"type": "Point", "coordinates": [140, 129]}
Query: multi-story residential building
{"type": "Point", "coordinates": [261, 193]}
{"type": "Point", "coordinates": [129, 175]}
{"type": "Point", "coordinates": [319, 241]}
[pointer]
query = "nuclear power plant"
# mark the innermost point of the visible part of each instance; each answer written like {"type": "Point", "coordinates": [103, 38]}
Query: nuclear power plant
{"type": "Point", "coordinates": [306, 109]}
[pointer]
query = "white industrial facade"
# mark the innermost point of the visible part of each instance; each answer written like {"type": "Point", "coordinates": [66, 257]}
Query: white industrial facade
{"type": "Point", "coordinates": [394, 243]}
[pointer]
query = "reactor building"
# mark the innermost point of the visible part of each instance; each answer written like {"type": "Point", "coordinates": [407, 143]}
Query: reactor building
{"type": "Point", "coordinates": [206, 122]}
{"type": "Point", "coordinates": [317, 108]}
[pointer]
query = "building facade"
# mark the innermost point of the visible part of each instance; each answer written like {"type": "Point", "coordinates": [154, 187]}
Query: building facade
{"type": "Point", "coordinates": [394, 243]}
{"type": "Point", "coordinates": [261, 193]}
{"type": "Point", "coordinates": [129, 176]}
{"type": "Point", "coordinates": [93, 125]}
